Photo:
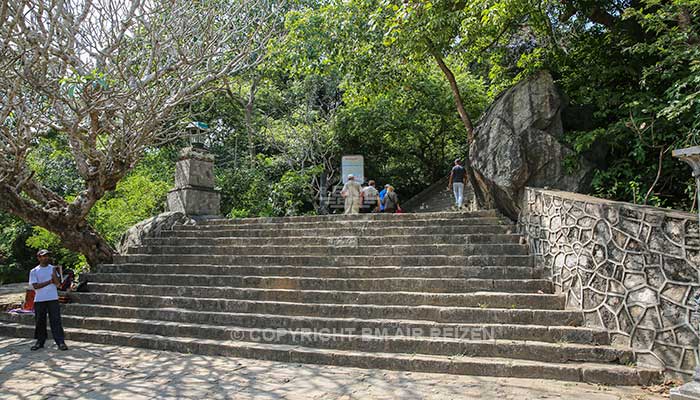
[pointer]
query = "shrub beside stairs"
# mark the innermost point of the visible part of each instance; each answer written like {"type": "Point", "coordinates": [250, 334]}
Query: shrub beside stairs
{"type": "Point", "coordinates": [445, 292]}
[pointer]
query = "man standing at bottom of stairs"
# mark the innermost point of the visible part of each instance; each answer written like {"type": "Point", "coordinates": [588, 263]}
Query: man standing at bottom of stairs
{"type": "Point", "coordinates": [44, 279]}
{"type": "Point", "coordinates": [352, 194]}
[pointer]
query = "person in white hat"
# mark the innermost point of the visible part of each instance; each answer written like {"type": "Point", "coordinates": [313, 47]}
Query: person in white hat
{"type": "Point", "coordinates": [351, 192]}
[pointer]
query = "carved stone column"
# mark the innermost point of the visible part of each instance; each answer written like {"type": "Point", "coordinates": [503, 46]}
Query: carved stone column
{"type": "Point", "coordinates": [194, 192]}
{"type": "Point", "coordinates": [691, 390]}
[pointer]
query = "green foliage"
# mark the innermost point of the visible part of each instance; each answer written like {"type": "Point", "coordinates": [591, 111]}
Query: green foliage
{"type": "Point", "coordinates": [408, 131]}
{"type": "Point", "coordinates": [43, 239]}
{"type": "Point", "coordinates": [268, 190]}
{"type": "Point", "coordinates": [15, 258]}
{"type": "Point", "coordinates": [674, 34]}
{"type": "Point", "coordinates": [637, 83]}
{"type": "Point", "coordinates": [137, 197]}
{"type": "Point", "coordinates": [359, 77]}
{"type": "Point", "coordinates": [53, 165]}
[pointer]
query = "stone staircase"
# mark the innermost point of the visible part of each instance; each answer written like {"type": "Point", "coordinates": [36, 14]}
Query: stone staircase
{"type": "Point", "coordinates": [441, 292]}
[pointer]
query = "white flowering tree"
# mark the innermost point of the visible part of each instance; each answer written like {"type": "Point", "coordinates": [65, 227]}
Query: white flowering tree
{"type": "Point", "coordinates": [114, 77]}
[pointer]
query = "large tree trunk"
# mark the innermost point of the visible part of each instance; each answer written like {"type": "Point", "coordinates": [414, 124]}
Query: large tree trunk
{"type": "Point", "coordinates": [87, 241]}
{"type": "Point", "coordinates": [59, 217]}
{"type": "Point", "coordinates": [479, 193]}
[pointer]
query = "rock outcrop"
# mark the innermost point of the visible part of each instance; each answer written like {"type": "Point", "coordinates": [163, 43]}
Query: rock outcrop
{"type": "Point", "coordinates": [151, 228]}
{"type": "Point", "coordinates": [518, 144]}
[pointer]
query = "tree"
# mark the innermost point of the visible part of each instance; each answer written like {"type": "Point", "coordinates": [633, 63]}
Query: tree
{"type": "Point", "coordinates": [115, 78]}
{"type": "Point", "coordinates": [441, 28]}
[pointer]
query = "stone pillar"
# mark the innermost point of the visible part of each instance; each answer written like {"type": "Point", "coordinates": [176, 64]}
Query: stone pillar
{"type": "Point", "coordinates": [194, 192]}
{"type": "Point", "coordinates": [691, 390]}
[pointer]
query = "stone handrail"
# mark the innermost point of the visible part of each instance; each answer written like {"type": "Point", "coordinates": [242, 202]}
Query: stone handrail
{"type": "Point", "coordinates": [631, 269]}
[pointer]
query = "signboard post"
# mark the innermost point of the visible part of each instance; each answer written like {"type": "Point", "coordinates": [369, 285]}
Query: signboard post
{"type": "Point", "coordinates": [355, 165]}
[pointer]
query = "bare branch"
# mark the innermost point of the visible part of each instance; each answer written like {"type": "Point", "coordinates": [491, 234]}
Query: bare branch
{"type": "Point", "coordinates": [114, 77]}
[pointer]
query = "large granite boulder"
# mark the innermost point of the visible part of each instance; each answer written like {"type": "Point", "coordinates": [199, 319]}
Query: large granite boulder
{"type": "Point", "coordinates": [517, 144]}
{"type": "Point", "coordinates": [151, 228]}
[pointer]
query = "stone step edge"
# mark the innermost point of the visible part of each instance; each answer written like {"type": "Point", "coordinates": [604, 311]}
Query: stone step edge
{"type": "Point", "coordinates": [166, 265]}
{"type": "Point", "coordinates": [321, 256]}
{"type": "Point", "coordinates": [380, 216]}
{"type": "Point", "coordinates": [346, 219]}
{"type": "Point", "coordinates": [351, 218]}
{"type": "Point", "coordinates": [310, 278]}
{"type": "Point", "coordinates": [446, 272]}
{"type": "Point", "coordinates": [466, 236]}
{"type": "Point", "coordinates": [341, 246]}
{"type": "Point", "coordinates": [361, 225]}
{"type": "Point", "coordinates": [336, 320]}
{"type": "Point", "coordinates": [484, 366]}
{"type": "Point", "coordinates": [552, 296]}
{"type": "Point", "coordinates": [522, 296]}
{"type": "Point", "coordinates": [436, 309]}
{"type": "Point", "coordinates": [330, 334]}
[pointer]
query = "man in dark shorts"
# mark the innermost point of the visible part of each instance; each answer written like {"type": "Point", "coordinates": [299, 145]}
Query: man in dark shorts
{"type": "Point", "coordinates": [456, 182]}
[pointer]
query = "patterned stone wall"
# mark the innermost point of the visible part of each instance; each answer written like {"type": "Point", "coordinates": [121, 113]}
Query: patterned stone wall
{"type": "Point", "coordinates": [634, 270]}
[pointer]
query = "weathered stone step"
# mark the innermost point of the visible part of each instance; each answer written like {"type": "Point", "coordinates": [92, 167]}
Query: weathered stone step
{"type": "Point", "coordinates": [363, 311]}
{"type": "Point", "coordinates": [340, 250]}
{"type": "Point", "coordinates": [384, 271]}
{"type": "Point", "coordinates": [332, 261]}
{"type": "Point", "coordinates": [370, 230]}
{"type": "Point", "coordinates": [485, 346]}
{"type": "Point", "coordinates": [585, 372]}
{"type": "Point", "coordinates": [304, 283]}
{"type": "Point", "coordinates": [355, 217]}
{"type": "Point", "coordinates": [550, 334]}
{"type": "Point", "coordinates": [342, 224]}
{"type": "Point", "coordinates": [338, 241]}
{"type": "Point", "coordinates": [478, 299]}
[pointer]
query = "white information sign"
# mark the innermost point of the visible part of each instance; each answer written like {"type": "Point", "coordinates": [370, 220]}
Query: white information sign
{"type": "Point", "coordinates": [353, 165]}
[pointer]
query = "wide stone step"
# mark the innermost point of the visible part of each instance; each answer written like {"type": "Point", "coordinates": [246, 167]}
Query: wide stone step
{"type": "Point", "coordinates": [355, 217]}
{"type": "Point", "coordinates": [384, 271]}
{"type": "Point", "coordinates": [304, 283]}
{"type": "Point", "coordinates": [340, 250]}
{"type": "Point", "coordinates": [364, 311]}
{"type": "Point", "coordinates": [585, 372]}
{"type": "Point", "coordinates": [325, 260]}
{"type": "Point", "coordinates": [370, 230]}
{"type": "Point", "coordinates": [484, 299]}
{"type": "Point", "coordinates": [358, 241]}
{"type": "Point", "coordinates": [542, 333]}
{"type": "Point", "coordinates": [367, 341]}
{"type": "Point", "coordinates": [342, 224]}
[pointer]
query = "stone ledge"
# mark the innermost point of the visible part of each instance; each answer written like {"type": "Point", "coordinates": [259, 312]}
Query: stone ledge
{"type": "Point", "coordinates": [612, 203]}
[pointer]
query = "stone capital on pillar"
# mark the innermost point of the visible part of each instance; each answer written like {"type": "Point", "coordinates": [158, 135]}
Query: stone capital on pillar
{"type": "Point", "coordinates": [690, 155]}
{"type": "Point", "coordinates": [194, 192]}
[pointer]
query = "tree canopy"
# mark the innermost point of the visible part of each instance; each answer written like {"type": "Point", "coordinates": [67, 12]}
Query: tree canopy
{"type": "Point", "coordinates": [93, 96]}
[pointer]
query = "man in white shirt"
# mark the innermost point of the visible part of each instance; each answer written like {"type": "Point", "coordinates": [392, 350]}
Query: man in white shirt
{"type": "Point", "coordinates": [44, 279]}
{"type": "Point", "coordinates": [351, 191]}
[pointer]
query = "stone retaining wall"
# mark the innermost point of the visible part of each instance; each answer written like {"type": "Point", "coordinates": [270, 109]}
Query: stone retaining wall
{"type": "Point", "coordinates": [631, 269]}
